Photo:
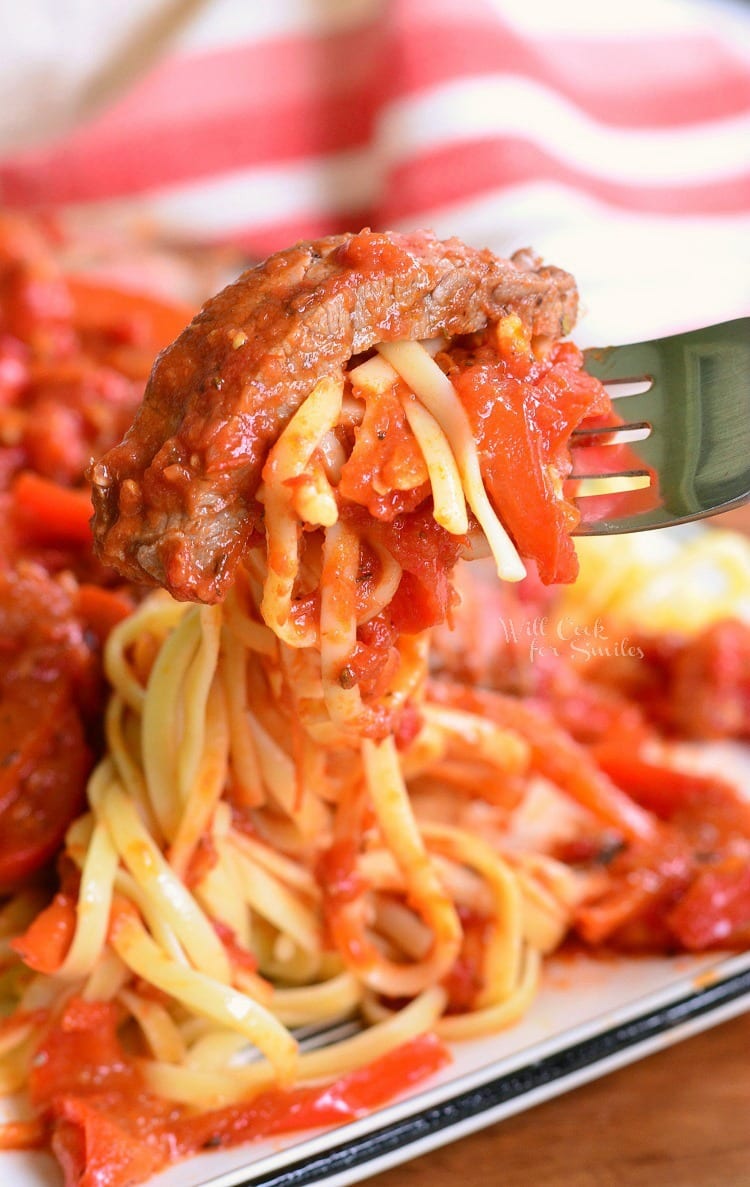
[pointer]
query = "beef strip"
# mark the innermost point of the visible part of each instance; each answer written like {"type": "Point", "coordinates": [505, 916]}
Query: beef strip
{"type": "Point", "coordinates": [175, 501]}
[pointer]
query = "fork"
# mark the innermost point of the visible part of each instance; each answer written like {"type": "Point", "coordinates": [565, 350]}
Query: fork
{"type": "Point", "coordinates": [685, 407]}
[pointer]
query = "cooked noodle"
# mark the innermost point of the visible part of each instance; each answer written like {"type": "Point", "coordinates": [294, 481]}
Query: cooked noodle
{"type": "Point", "coordinates": [277, 838]}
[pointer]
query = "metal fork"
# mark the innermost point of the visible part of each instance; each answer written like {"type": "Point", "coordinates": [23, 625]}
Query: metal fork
{"type": "Point", "coordinates": [685, 404]}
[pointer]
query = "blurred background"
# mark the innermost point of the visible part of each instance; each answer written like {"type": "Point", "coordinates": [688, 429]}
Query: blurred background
{"type": "Point", "coordinates": [613, 138]}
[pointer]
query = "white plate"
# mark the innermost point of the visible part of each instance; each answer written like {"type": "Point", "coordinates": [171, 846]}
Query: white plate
{"type": "Point", "coordinates": [592, 1016]}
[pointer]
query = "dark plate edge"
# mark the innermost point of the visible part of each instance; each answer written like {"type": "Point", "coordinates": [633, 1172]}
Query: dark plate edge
{"type": "Point", "coordinates": [439, 1118]}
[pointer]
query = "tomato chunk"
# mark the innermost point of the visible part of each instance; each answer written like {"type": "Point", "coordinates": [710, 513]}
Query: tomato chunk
{"type": "Point", "coordinates": [715, 911]}
{"type": "Point", "coordinates": [522, 413]}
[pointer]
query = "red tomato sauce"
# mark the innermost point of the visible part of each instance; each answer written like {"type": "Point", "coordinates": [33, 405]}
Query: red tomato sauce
{"type": "Point", "coordinates": [599, 728]}
{"type": "Point", "coordinates": [107, 1130]}
{"type": "Point", "coordinates": [73, 360]}
{"type": "Point", "coordinates": [523, 410]}
{"type": "Point", "coordinates": [385, 471]}
{"type": "Point", "coordinates": [74, 357]}
{"type": "Point", "coordinates": [466, 979]}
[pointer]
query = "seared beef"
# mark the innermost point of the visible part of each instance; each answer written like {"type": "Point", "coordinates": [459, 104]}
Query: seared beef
{"type": "Point", "coordinates": [175, 501]}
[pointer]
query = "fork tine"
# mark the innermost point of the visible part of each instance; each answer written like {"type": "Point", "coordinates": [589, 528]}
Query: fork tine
{"type": "Point", "coordinates": [600, 518]}
{"type": "Point", "coordinates": [615, 434]}
{"type": "Point", "coordinates": [625, 479]}
{"type": "Point", "coordinates": [699, 409]}
{"type": "Point", "coordinates": [334, 1032]}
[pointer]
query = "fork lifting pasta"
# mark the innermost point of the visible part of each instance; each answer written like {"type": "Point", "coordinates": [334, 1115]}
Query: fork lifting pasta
{"type": "Point", "coordinates": [275, 837]}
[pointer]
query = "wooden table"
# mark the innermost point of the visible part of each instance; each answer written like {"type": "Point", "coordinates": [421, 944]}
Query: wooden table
{"type": "Point", "coordinates": [680, 1118]}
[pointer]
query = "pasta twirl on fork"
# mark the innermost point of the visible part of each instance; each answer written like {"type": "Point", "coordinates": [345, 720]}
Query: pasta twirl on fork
{"type": "Point", "coordinates": [276, 836]}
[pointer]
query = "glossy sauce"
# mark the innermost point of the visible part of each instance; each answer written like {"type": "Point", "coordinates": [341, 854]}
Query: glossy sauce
{"type": "Point", "coordinates": [108, 1131]}
{"type": "Point", "coordinates": [74, 358]}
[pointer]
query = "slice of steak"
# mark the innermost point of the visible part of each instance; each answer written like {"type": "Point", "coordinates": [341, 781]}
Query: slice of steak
{"type": "Point", "coordinates": [175, 501]}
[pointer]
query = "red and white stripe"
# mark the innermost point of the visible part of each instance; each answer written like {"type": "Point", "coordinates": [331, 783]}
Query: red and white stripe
{"type": "Point", "coordinates": [566, 125]}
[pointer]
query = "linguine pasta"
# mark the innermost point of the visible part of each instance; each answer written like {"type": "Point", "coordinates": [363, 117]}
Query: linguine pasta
{"type": "Point", "coordinates": [293, 824]}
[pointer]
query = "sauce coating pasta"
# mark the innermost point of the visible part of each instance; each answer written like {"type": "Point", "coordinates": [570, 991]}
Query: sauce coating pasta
{"type": "Point", "coordinates": [295, 820]}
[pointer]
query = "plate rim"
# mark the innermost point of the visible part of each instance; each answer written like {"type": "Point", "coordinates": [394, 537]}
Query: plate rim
{"type": "Point", "coordinates": [477, 1098]}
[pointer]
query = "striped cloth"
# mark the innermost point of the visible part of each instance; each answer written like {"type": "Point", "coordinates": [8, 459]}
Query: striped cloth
{"type": "Point", "coordinates": [613, 137]}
